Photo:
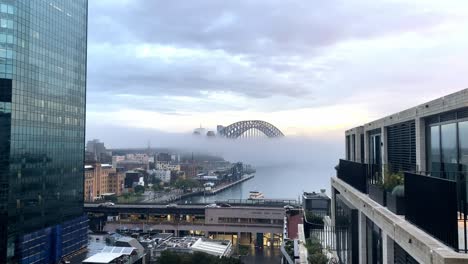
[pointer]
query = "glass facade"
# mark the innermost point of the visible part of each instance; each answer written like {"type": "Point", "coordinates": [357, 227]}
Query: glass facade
{"type": "Point", "coordinates": [42, 122]}
{"type": "Point", "coordinates": [448, 149]}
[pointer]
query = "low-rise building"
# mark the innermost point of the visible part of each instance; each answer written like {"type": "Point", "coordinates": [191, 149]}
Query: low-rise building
{"type": "Point", "coordinates": [190, 169]}
{"type": "Point", "coordinates": [101, 179]}
{"type": "Point", "coordinates": [164, 165]}
{"type": "Point", "coordinates": [219, 248]}
{"type": "Point", "coordinates": [163, 175]}
{"type": "Point", "coordinates": [316, 203]}
{"type": "Point", "coordinates": [117, 255]}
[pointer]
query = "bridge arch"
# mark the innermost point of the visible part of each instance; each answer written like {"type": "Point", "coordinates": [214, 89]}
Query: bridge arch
{"type": "Point", "coordinates": [237, 129]}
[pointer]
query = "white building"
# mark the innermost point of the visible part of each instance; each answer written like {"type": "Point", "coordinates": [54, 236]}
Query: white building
{"type": "Point", "coordinates": [163, 175]}
{"type": "Point", "coordinates": [163, 165]}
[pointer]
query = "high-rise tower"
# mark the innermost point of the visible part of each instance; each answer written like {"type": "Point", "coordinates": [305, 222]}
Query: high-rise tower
{"type": "Point", "coordinates": [43, 47]}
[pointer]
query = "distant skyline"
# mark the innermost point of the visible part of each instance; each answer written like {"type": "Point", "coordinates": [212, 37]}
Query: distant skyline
{"type": "Point", "coordinates": [309, 68]}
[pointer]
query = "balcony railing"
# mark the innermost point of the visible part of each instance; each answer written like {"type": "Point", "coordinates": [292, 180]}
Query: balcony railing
{"type": "Point", "coordinates": [439, 206]}
{"type": "Point", "coordinates": [354, 173]}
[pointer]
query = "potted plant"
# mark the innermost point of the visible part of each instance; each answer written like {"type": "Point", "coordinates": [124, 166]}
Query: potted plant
{"type": "Point", "coordinates": [395, 192]}
{"type": "Point", "coordinates": [396, 200]}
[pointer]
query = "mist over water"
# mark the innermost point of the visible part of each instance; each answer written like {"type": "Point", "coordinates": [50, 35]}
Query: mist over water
{"type": "Point", "coordinates": [285, 166]}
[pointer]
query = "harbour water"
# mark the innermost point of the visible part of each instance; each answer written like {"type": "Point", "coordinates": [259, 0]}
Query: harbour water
{"type": "Point", "coordinates": [276, 182]}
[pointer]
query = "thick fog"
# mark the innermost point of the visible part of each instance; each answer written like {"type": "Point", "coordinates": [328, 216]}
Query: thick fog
{"type": "Point", "coordinates": [289, 150]}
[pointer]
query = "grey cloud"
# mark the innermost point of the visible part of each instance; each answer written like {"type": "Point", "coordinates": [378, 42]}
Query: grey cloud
{"type": "Point", "coordinates": [272, 36]}
{"type": "Point", "coordinates": [253, 27]}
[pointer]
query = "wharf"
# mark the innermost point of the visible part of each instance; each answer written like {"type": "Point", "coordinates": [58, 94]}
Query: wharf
{"type": "Point", "coordinates": [227, 186]}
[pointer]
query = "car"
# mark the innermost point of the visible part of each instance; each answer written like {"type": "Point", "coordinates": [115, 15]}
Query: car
{"type": "Point", "coordinates": [288, 207]}
{"type": "Point", "coordinates": [172, 205]}
{"type": "Point", "coordinates": [212, 205]}
{"type": "Point", "coordinates": [106, 204]}
{"type": "Point", "coordinates": [223, 205]}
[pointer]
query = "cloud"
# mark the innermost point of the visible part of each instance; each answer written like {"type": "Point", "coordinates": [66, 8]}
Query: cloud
{"type": "Point", "coordinates": [183, 62]}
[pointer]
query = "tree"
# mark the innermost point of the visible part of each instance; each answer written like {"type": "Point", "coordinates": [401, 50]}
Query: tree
{"type": "Point", "coordinates": [315, 250]}
{"type": "Point", "coordinates": [185, 184]}
{"type": "Point", "coordinates": [112, 198]}
{"type": "Point", "coordinates": [139, 189]}
{"type": "Point", "coordinates": [126, 196]}
{"type": "Point", "coordinates": [156, 187]}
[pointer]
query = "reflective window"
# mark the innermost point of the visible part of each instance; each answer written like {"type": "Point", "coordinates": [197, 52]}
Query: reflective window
{"type": "Point", "coordinates": [6, 23]}
{"type": "Point", "coordinates": [449, 149]}
{"type": "Point", "coordinates": [463, 144]}
{"type": "Point", "coordinates": [434, 155]}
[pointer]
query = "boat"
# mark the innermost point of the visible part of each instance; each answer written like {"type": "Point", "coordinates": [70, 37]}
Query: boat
{"type": "Point", "coordinates": [255, 195]}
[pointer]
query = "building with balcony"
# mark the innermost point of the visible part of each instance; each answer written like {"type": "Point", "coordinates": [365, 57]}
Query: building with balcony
{"type": "Point", "coordinates": [400, 194]}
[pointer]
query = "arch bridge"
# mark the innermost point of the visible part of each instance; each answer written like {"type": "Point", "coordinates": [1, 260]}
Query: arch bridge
{"type": "Point", "coordinates": [250, 129]}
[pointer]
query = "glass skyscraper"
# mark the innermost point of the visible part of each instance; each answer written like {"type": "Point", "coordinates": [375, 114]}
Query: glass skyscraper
{"type": "Point", "coordinates": [43, 46]}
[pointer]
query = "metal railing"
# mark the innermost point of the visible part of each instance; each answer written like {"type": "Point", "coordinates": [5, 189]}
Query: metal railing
{"type": "Point", "coordinates": [354, 174]}
{"type": "Point", "coordinates": [439, 205]}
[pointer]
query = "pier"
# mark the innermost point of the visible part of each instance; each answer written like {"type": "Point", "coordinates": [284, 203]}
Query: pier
{"type": "Point", "coordinates": [227, 186]}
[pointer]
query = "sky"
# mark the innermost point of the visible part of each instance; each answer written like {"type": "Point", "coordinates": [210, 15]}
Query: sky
{"type": "Point", "coordinates": [311, 68]}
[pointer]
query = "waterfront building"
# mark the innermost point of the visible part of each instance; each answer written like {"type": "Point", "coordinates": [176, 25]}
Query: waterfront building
{"type": "Point", "coordinates": [102, 179]}
{"type": "Point", "coordinates": [115, 183]}
{"type": "Point", "coordinates": [190, 170]}
{"type": "Point", "coordinates": [246, 223]}
{"type": "Point", "coordinates": [42, 124]}
{"type": "Point", "coordinates": [400, 193]}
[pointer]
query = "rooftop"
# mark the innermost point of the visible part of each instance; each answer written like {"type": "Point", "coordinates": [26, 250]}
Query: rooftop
{"type": "Point", "coordinates": [102, 258]}
{"type": "Point", "coordinates": [314, 195]}
{"type": "Point", "coordinates": [188, 244]}
{"type": "Point", "coordinates": [213, 247]}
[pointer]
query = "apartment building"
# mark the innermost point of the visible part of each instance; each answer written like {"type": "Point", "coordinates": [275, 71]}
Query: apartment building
{"type": "Point", "coordinates": [400, 193]}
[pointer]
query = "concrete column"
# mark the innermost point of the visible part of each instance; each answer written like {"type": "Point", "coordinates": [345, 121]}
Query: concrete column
{"type": "Point", "coordinates": [366, 147]}
{"type": "Point", "coordinates": [362, 239]}
{"type": "Point", "coordinates": [420, 144]}
{"type": "Point", "coordinates": [272, 239]}
{"type": "Point", "coordinates": [332, 206]}
{"type": "Point", "coordinates": [387, 249]}
{"type": "Point", "coordinates": [238, 238]}
{"type": "Point", "coordinates": [383, 148]}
